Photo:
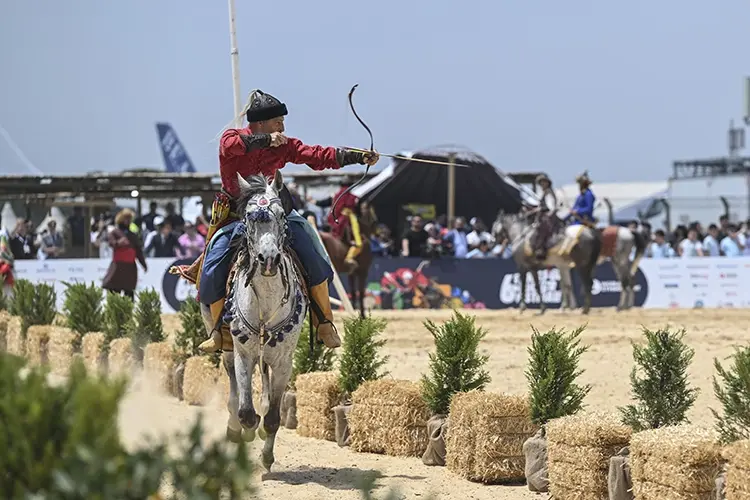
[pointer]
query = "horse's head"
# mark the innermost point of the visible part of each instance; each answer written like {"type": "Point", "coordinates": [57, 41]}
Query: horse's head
{"type": "Point", "coordinates": [265, 220]}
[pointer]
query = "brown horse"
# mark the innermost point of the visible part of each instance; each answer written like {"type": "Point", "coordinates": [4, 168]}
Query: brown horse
{"type": "Point", "coordinates": [337, 250]}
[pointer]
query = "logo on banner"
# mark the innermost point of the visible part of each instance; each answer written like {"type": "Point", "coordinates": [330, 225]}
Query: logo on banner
{"type": "Point", "coordinates": [175, 289]}
{"type": "Point", "coordinates": [605, 290]}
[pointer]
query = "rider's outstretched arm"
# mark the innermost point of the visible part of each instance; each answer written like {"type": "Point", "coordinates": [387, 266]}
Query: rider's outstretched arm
{"type": "Point", "coordinates": [321, 157]}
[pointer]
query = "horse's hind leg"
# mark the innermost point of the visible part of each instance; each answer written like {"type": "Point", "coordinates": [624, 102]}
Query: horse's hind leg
{"type": "Point", "coordinates": [278, 382]}
{"type": "Point", "coordinates": [522, 302]}
{"type": "Point", "coordinates": [538, 285]}
{"type": "Point", "coordinates": [234, 428]}
{"type": "Point", "coordinates": [622, 275]}
{"type": "Point", "coordinates": [244, 365]}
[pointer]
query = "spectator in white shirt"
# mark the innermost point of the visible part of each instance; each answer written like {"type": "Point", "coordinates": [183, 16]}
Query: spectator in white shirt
{"type": "Point", "coordinates": [481, 252]}
{"type": "Point", "coordinates": [711, 242]}
{"type": "Point", "coordinates": [478, 234]}
{"type": "Point", "coordinates": [731, 245]}
{"type": "Point", "coordinates": [659, 248]}
{"type": "Point", "coordinates": [691, 246]}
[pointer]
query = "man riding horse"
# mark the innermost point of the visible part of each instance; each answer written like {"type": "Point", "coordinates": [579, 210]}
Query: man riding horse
{"type": "Point", "coordinates": [262, 148]}
{"type": "Point", "coordinates": [345, 223]}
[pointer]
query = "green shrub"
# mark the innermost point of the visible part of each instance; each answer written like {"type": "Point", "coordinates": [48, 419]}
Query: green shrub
{"type": "Point", "coordinates": [192, 331]}
{"type": "Point", "coordinates": [456, 365]}
{"type": "Point", "coordinates": [733, 392]}
{"type": "Point", "coordinates": [62, 442]}
{"type": "Point", "coordinates": [663, 395]}
{"type": "Point", "coordinates": [147, 326]}
{"type": "Point", "coordinates": [118, 317]}
{"type": "Point", "coordinates": [34, 304]}
{"type": "Point", "coordinates": [552, 373]}
{"type": "Point", "coordinates": [320, 360]}
{"type": "Point", "coordinates": [360, 359]}
{"type": "Point", "coordinates": [83, 308]}
{"type": "Point", "coordinates": [3, 298]}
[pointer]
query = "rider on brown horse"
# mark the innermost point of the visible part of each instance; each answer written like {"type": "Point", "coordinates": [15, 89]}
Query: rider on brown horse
{"type": "Point", "coordinates": [345, 222]}
{"type": "Point", "coordinates": [546, 212]}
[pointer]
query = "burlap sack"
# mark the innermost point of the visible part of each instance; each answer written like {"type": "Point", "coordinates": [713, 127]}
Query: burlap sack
{"type": "Point", "coordinates": [619, 480]}
{"type": "Point", "coordinates": [289, 418]}
{"type": "Point", "coordinates": [342, 424]}
{"type": "Point", "coordinates": [535, 469]}
{"type": "Point", "coordinates": [721, 483]}
{"type": "Point", "coordinates": [437, 426]}
{"type": "Point", "coordinates": [179, 373]}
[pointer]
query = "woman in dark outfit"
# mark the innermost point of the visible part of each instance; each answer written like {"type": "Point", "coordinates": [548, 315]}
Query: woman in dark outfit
{"type": "Point", "coordinates": [122, 275]}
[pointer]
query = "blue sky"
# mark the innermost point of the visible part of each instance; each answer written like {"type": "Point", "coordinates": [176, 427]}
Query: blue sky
{"type": "Point", "coordinates": [619, 88]}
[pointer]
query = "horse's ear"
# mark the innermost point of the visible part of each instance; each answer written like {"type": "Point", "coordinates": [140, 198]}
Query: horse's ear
{"type": "Point", "coordinates": [278, 181]}
{"type": "Point", "coordinates": [243, 184]}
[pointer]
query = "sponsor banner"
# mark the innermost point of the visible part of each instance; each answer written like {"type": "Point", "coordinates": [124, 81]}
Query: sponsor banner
{"type": "Point", "coordinates": [475, 283]}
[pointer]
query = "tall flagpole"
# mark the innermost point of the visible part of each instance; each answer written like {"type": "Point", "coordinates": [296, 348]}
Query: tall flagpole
{"type": "Point", "coordinates": [235, 67]}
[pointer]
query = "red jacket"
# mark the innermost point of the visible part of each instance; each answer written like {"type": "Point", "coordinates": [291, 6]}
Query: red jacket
{"type": "Point", "coordinates": [233, 158]}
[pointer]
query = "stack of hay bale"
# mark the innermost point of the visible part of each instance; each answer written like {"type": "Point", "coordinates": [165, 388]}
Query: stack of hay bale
{"type": "Point", "coordinates": [738, 470]}
{"type": "Point", "coordinates": [61, 350]}
{"type": "Point", "coordinates": [389, 416]}
{"type": "Point", "coordinates": [37, 337]}
{"type": "Point", "coordinates": [159, 364]}
{"type": "Point", "coordinates": [121, 359]}
{"type": "Point", "coordinates": [4, 319]}
{"type": "Point", "coordinates": [200, 380]}
{"type": "Point", "coordinates": [485, 439]}
{"type": "Point", "coordinates": [675, 462]}
{"type": "Point", "coordinates": [578, 451]}
{"type": "Point", "coordinates": [14, 337]}
{"type": "Point", "coordinates": [317, 394]}
{"type": "Point", "coordinates": [94, 353]}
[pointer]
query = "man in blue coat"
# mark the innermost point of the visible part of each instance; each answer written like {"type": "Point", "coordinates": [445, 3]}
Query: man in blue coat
{"type": "Point", "coordinates": [583, 209]}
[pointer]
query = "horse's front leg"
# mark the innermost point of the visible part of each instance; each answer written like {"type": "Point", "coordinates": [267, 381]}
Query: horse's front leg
{"type": "Point", "coordinates": [245, 358]}
{"type": "Point", "coordinates": [234, 428]}
{"type": "Point", "coordinates": [278, 382]}
{"type": "Point", "coordinates": [538, 285]}
{"type": "Point", "coordinates": [522, 302]}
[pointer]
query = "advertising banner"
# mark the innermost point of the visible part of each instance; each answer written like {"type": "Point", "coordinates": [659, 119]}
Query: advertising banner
{"type": "Point", "coordinates": [402, 283]}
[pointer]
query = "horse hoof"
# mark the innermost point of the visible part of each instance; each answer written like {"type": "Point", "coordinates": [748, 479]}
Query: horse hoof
{"type": "Point", "coordinates": [233, 435]}
{"type": "Point", "coordinates": [248, 435]}
{"type": "Point", "coordinates": [267, 462]}
{"type": "Point", "coordinates": [262, 433]}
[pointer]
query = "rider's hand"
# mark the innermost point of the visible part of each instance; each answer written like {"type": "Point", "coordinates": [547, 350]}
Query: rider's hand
{"type": "Point", "coordinates": [370, 158]}
{"type": "Point", "coordinates": [277, 139]}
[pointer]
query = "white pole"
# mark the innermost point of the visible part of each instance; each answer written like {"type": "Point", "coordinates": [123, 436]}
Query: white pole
{"type": "Point", "coordinates": [235, 66]}
{"type": "Point", "coordinates": [451, 188]}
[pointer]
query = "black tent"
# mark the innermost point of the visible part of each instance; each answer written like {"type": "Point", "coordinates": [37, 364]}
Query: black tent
{"type": "Point", "coordinates": [480, 189]}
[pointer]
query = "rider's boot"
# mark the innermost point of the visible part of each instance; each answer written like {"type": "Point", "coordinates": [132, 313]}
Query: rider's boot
{"type": "Point", "coordinates": [326, 330]}
{"type": "Point", "coordinates": [220, 337]}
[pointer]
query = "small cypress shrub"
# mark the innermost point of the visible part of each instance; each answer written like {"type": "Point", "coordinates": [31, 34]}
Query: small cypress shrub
{"type": "Point", "coordinates": [663, 395]}
{"type": "Point", "coordinates": [22, 304]}
{"type": "Point", "coordinates": [83, 308]}
{"type": "Point", "coordinates": [733, 392]}
{"type": "Point", "coordinates": [321, 359]}
{"type": "Point", "coordinates": [552, 373]}
{"type": "Point", "coordinates": [147, 326]}
{"type": "Point", "coordinates": [456, 365]}
{"type": "Point", "coordinates": [63, 442]}
{"type": "Point", "coordinates": [45, 304]}
{"type": "Point", "coordinates": [192, 333]}
{"type": "Point", "coordinates": [118, 317]}
{"type": "Point", "coordinates": [360, 359]}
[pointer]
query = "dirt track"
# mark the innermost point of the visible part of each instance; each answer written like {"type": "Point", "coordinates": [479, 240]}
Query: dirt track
{"type": "Point", "coordinates": [309, 469]}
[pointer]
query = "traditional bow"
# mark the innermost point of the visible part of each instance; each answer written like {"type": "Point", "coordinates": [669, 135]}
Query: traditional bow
{"type": "Point", "coordinates": [367, 168]}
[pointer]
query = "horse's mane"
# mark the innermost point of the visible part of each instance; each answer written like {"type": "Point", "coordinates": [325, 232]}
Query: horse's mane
{"type": "Point", "coordinates": [258, 185]}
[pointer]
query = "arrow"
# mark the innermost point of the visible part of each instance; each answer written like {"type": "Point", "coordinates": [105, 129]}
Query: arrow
{"type": "Point", "coordinates": [406, 158]}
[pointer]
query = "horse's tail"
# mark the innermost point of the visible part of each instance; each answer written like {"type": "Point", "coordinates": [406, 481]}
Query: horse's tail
{"type": "Point", "coordinates": [265, 394]}
{"type": "Point", "coordinates": [640, 249]}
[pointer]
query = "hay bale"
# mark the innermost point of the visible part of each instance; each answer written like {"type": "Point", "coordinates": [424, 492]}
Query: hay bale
{"type": "Point", "coordinates": [317, 394]}
{"type": "Point", "coordinates": [389, 416]}
{"type": "Point", "coordinates": [15, 343]}
{"type": "Point", "coordinates": [484, 442]}
{"type": "Point", "coordinates": [37, 337]}
{"type": "Point", "coordinates": [679, 462]}
{"type": "Point", "coordinates": [94, 355]}
{"type": "Point", "coordinates": [4, 320]}
{"type": "Point", "coordinates": [579, 448]}
{"type": "Point", "coordinates": [60, 349]}
{"type": "Point", "coordinates": [738, 470]}
{"type": "Point", "coordinates": [199, 381]}
{"type": "Point", "coordinates": [159, 365]}
{"type": "Point", "coordinates": [121, 359]}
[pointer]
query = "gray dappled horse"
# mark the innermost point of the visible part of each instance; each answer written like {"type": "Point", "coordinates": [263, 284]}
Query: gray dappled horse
{"type": "Point", "coordinates": [570, 246]}
{"type": "Point", "coordinates": [268, 306]}
{"type": "Point", "coordinates": [614, 242]}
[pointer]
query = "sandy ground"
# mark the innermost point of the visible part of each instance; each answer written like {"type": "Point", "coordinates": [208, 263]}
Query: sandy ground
{"type": "Point", "coordinates": [308, 469]}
